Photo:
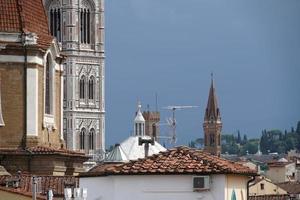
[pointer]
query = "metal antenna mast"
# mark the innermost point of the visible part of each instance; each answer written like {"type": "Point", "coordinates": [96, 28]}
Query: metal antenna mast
{"type": "Point", "coordinates": [172, 121]}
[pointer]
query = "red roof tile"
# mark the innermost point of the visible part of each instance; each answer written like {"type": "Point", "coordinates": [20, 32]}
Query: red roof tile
{"type": "Point", "coordinates": [270, 197]}
{"type": "Point", "coordinates": [290, 187]}
{"type": "Point", "coordinates": [180, 160]}
{"type": "Point", "coordinates": [56, 183]}
{"type": "Point", "coordinates": [17, 16]}
{"type": "Point", "coordinates": [41, 150]}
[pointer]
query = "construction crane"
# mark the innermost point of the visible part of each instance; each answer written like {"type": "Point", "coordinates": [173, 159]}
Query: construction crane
{"type": "Point", "coordinates": [171, 122]}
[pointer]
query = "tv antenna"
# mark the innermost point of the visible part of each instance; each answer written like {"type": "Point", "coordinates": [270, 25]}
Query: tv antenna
{"type": "Point", "coordinates": [171, 121]}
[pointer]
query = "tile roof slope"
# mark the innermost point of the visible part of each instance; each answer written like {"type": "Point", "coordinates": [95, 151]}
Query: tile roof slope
{"type": "Point", "coordinates": [290, 187]}
{"type": "Point", "coordinates": [56, 183]}
{"type": "Point", "coordinates": [270, 197]}
{"type": "Point", "coordinates": [180, 160]}
{"type": "Point", "coordinates": [26, 15]}
{"type": "Point", "coordinates": [42, 150]}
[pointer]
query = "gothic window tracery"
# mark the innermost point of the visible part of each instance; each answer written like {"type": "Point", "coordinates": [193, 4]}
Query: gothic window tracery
{"type": "Point", "coordinates": [55, 22]}
{"type": "Point", "coordinates": [82, 87]}
{"type": "Point", "coordinates": [82, 138]}
{"type": "Point", "coordinates": [85, 29]}
{"type": "Point", "coordinates": [91, 87]}
{"type": "Point", "coordinates": [91, 139]}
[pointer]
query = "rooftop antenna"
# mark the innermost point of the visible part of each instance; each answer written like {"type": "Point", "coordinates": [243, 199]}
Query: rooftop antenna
{"type": "Point", "coordinates": [156, 102]}
{"type": "Point", "coordinates": [172, 121]}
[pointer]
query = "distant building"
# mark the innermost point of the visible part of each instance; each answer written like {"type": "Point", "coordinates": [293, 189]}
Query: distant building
{"type": "Point", "coordinates": [179, 173]}
{"type": "Point", "coordinates": [280, 172]}
{"type": "Point", "coordinates": [31, 92]}
{"type": "Point", "coordinates": [264, 186]}
{"type": "Point", "coordinates": [152, 120]}
{"type": "Point", "coordinates": [212, 123]}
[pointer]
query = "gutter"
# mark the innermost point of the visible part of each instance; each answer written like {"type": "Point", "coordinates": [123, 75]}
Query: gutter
{"type": "Point", "coordinates": [24, 139]}
{"type": "Point", "coordinates": [248, 183]}
{"type": "Point", "coordinates": [23, 40]}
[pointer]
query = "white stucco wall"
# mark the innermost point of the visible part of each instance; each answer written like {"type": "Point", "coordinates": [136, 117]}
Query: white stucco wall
{"type": "Point", "coordinates": [149, 187]}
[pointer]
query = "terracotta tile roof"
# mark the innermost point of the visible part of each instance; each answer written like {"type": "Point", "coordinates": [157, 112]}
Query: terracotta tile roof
{"type": "Point", "coordinates": [290, 187]}
{"type": "Point", "coordinates": [41, 150]}
{"type": "Point", "coordinates": [278, 164]}
{"type": "Point", "coordinates": [56, 183]}
{"type": "Point", "coordinates": [17, 16]}
{"type": "Point", "coordinates": [180, 160]}
{"type": "Point", "coordinates": [270, 197]}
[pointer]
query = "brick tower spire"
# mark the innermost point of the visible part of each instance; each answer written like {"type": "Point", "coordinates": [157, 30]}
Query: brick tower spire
{"type": "Point", "coordinates": [212, 123]}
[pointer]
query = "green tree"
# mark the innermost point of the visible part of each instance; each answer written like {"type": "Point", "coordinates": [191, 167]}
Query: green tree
{"type": "Point", "coordinates": [298, 127]}
{"type": "Point", "coordinates": [239, 139]}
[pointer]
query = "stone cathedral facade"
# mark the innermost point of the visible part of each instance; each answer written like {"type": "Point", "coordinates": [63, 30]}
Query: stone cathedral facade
{"type": "Point", "coordinates": [78, 26]}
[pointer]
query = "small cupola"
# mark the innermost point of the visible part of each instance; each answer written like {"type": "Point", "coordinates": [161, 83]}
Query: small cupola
{"type": "Point", "coordinates": [139, 122]}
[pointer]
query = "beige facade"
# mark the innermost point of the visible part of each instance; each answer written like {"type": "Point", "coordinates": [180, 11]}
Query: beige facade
{"type": "Point", "coordinates": [282, 172]}
{"type": "Point", "coordinates": [38, 130]}
{"type": "Point", "coordinates": [265, 186]}
{"type": "Point", "coordinates": [236, 185]}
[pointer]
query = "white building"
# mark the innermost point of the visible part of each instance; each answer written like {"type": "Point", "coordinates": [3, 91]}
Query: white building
{"type": "Point", "coordinates": [79, 28]}
{"type": "Point", "coordinates": [137, 145]}
{"type": "Point", "coordinates": [179, 173]}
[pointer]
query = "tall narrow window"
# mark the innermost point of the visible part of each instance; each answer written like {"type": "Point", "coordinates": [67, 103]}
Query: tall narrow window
{"type": "Point", "coordinates": [82, 87]}
{"type": "Point", "coordinates": [91, 87]}
{"type": "Point", "coordinates": [48, 82]}
{"type": "Point", "coordinates": [55, 23]}
{"type": "Point", "coordinates": [91, 139]}
{"type": "Point", "coordinates": [1, 117]}
{"type": "Point", "coordinates": [85, 28]}
{"type": "Point", "coordinates": [81, 138]}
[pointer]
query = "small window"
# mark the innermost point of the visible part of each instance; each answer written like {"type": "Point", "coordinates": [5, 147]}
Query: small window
{"type": "Point", "coordinates": [55, 23]}
{"type": "Point", "coordinates": [82, 87]}
{"type": "Point", "coordinates": [48, 87]}
{"type": "Point", "coordinates": [85, 26]}
{"type": "Point", "coordinates": [91, 139]}
{"type": "Point", "coordinates": [233, 195]}
{"type": "Point", "coordinates": [91, 88]}
{"type": "Point", "coordinates": [82, 138]}
{"type": "Point", "coordinates": [1, 117]}
{"type": "Point", "coordinates": [262, 186]}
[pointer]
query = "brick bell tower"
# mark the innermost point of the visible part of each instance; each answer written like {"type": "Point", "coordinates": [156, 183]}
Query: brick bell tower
{"type": "Point", "coordinates": [212, 123]}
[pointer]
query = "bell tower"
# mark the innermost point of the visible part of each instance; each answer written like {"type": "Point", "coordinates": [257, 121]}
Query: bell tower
{"type": "Point", "coordinates": [78, 26]}
{"type": "Point", "coordinates": [212, 125]}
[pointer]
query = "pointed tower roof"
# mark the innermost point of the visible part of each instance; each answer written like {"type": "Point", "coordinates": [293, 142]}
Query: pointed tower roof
{"type": "Point", "coordinates": [139, 116]}
{"type": "Point", "coordinates": [212, 111]}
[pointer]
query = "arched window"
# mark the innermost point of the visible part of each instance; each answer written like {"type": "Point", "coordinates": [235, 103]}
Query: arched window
{"type": "Point", "coordinates": [48, 87]}
{"type": "Point", "coordinates": [91, 139]}
{"type": "Point", "coordinates": [55, 23]}
{"type": "Point", "coordinates": [82, 87]}
{"type": "Point", "coordinates": [85, 29]}
{"type": "Point", "coordinates": [233, 195]}
{"type": "Point", "coordinates": [91, 87]}
{"type": "Point", "coordinates": [212, 139]}
{"type": "Point", "coordinates": [81, 138]}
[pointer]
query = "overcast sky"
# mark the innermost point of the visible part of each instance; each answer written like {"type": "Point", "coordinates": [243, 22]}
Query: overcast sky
{"type": "Point", "coordinates": [170, 47]}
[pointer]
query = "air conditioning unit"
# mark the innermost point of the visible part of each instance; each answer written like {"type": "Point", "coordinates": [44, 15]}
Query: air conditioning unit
{"type": "Point", "coordinates": [200, 183]}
